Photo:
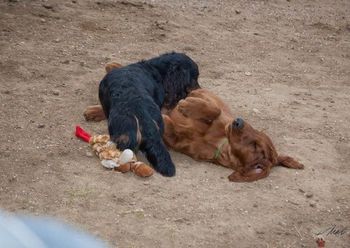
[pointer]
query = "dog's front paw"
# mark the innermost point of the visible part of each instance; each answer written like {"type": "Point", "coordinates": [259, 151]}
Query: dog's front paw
{"type": "Point", "coordinates": [236, 177]}
{"type": "Point", "coordinates": [183, 108]}
{"type": "Point", "coordinates": [94, 113]}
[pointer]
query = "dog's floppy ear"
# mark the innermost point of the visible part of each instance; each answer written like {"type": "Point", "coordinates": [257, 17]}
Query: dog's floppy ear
{"type": "Point", "coordinates": [289, 162]}
{"type": "Point", "coordinates": [176, 83]}
{"type": "Point", "coordinates": [250, 176]}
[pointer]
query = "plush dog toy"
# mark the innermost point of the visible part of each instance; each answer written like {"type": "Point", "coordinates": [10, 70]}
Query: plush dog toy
{"type": "Point", "coordinates": [111, 157]}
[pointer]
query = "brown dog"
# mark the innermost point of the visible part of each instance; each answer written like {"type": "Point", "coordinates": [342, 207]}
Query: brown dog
{"type": "Point", "coordinates": [203, 127]}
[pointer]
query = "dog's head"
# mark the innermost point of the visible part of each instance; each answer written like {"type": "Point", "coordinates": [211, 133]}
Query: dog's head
{"type": "Point", "coordinates": [255, 152]}
{"type": "Point", "coordinates": [180, 76]}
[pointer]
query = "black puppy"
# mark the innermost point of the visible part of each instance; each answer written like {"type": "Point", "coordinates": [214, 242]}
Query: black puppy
{"type": "Point", "coordinates": [132, 97]}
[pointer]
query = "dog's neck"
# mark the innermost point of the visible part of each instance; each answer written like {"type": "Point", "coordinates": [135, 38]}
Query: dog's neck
{"type": "Point", "coordinates": [218, 151]}
{"type": "Point", "coordinates": [223, 154]}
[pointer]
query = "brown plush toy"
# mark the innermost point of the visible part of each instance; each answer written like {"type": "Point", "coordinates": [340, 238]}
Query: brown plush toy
{"type": "Point", "coordinates": [111, 157]}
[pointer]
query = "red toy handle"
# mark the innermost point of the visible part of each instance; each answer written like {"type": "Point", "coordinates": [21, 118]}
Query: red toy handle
{"type": "Point", "coordinates": [80, 133]}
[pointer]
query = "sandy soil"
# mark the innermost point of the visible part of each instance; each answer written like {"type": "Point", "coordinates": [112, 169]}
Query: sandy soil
{"type": "Point", "coordinates": [282, 65]}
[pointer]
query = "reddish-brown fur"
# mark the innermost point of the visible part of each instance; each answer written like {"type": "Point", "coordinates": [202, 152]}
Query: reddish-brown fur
{"type": "Point", "coordinates": [201, 127]}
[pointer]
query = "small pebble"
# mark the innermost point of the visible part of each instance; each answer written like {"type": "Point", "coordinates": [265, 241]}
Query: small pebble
{"type": "Point", "coordinates": [89, 154]}
{"type": "Point", "coordinates": [312, 204]}
{"type": "Point", "coordinates": [109, 164]}
{"type": "Point", "coordinates": [41, 125]}
{"type": "Point", "coordinates": [257, 111]}
{"type": "Point", "coordinates": [247, 73]}
{"type": "Point", "coordinates": [47, 6]}
{"type": "Point", "coordinates": [309, 195]}
{"type": "Point", "coordinates": [237, 11]}
{"type": "Point", "coordinates": [281, 223]}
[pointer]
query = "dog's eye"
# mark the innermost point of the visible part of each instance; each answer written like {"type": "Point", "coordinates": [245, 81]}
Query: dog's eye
{"type": "Point", "coordinates": [207, 121]}
{"type": "Point", "coordinates": [254, 144]}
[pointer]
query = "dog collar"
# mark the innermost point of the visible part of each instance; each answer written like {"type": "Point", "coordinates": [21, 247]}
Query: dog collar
{"type": "Point", "coordinates": [217, 152]}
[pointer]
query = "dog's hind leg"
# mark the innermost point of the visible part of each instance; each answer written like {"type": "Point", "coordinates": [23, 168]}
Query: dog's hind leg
{"type": "Point", "coordinates": [124, 129]}
{"type": "Point", "coordinates": [154, 147]}
{"type": "Point", "coordinates": [158, 155]}
{"type": "Point", "coordinates": [198, 109]}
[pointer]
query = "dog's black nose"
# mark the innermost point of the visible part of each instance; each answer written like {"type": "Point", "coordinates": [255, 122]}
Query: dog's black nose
{"type": "Point", "coordinates": [238, 123]}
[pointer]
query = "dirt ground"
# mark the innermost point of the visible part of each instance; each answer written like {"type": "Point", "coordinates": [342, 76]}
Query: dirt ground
{"type": "Point", "coordinates": [283, 65]}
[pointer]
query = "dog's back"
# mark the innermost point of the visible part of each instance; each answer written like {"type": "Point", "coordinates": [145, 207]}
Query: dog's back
{"type": "Point", "coordinates": [131, 83]}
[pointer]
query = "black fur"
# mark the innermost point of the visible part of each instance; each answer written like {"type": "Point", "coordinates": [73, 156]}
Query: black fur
{"type": "Point", "coordinates": [132, 97]}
